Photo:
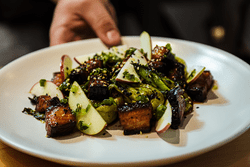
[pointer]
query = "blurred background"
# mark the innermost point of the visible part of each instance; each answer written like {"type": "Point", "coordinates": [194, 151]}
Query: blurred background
{"type": "Point", "coordinates": [224, 24]}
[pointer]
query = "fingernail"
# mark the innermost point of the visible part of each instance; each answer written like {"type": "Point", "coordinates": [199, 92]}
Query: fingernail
{"type": "Point", "coordinates": [114, 37]}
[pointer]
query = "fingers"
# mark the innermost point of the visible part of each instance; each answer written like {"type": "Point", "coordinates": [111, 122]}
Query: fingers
{"type": "Point", "coordinates": [63, 24]}
{"type": "Point", "coordinates": [98, 17]}
{"type": "Point", "coordinates": [74, 17]}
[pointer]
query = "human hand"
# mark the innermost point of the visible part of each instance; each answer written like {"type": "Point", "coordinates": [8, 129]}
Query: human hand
{"type": "Point", "coordinates": [81, 19]}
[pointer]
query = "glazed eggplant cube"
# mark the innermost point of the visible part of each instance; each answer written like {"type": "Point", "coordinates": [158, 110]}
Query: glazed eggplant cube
{"type": "Point", "coordinates": [177, 74]}
{"type": "Point", "coordinates": [59, 121]}
{"type": "Point", "coordinates": [57, 78]}
{"type": "Point", "coordinates": [199, 89]}
{"type": "Point", "coordinates": [98, 91]}
{"type": "Point", "coordinates": [98, 85]}
{"type": "Point", "coordinates": [135, 117]}
{"type": "Point", "coordinates": [207, 76]}
{"type": "Point", "coordinates": [42, 103]}
{"type": "Point", "coordinates": [80, 74]}
{"type": "Point", "coordinates": [162, 59]}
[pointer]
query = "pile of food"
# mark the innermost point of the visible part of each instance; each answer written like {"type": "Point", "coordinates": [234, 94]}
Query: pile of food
{"type": "Point", "coordinates": [140, 88]}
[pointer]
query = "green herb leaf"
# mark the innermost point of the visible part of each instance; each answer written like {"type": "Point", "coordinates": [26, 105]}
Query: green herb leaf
{"type": "Point", "coordinates": [42, 82]}
{"type": "Point", "coordinates": [142, 98]}
{"type": "Point", "coordinates": [64, 101]}
{"type": "Point", "coordinates": [168, 46]}
{"type": "Point", "coordinates": [65, 86]}
{"type": "Point", "coordinates": [74, 89]}
{"type": "Point", "coordinates": [129, 76]}
{"type": "Point", "coordinates": [80, 110]}
{"type": "Point", "coordinates": [87, 108]}
{"type": "Point", "coordinates": [83, 126]}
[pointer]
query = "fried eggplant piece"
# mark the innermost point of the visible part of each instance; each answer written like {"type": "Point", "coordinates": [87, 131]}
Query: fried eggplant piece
{"type": "Point", "coordinates": [42, 103]}
{"type": "Point", "coordinates": [199, 89]}
{"type": "Point", "coordinates": [135, 117]}
{"type": "Point", "coordinates": [178, 104]}
{"type": "Point", "coordinates": [78, 74]}
{"type": "Point", "coordinates": [59, 119]}
{"type": "Point", "coordinates": [57, 78]}
{"type": "Point", "coordinates": [177, 74]}
{"type": "Point", "coordinates": [162, 59]}
{"type": "Point", "coordinates": [81, 73]}
{"type": "Point", "coordinates": [98, 85]}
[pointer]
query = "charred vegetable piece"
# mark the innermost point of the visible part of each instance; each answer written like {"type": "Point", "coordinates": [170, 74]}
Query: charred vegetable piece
{"type": "Point", "coordinates": [151, 77]}
{"type": "Point", "coordinates": [98, 84]}
{"type": "Point", "coordinates": [42, 103]}
{"type": "Point", "coordinates": [145, 73]}
{"type": "Point", "coordinates": [57, 79]}
{"type": "Point", "coordinates": [177, 74]}
{"type": "Point", "coordinates": [135, 117]}
{"type": "Point", "coordinates": [178, 104]}
{"type": "Point", "coordinates": [93, 64]}
{"type": "Point", "coordinates": [199, 89]}
{"type": "Point", "coordinates": [168, 82]}
{"type": "Point", "coordinates": [59, 119]}
{"type": "Point", "coordinates": [162, 59]}
{"type": "Point", "coordinates": [80, 74]}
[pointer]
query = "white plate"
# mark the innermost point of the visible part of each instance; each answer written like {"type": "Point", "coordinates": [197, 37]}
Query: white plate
{"type": "Point", "coordinates": [222, 118]}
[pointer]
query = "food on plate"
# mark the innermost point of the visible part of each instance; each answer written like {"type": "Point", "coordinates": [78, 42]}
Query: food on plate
{"type": "Point", "coordinates": [135, 117]}
{"type": "Point", "coordinates": [199, 89]}
{"type": "Point", "coordinates": [45, 87]}
{"type": "Point", "coordinates": [165, 120]}
{"type": "Point", "coordinates": [146, 44]}
{"type": "Point", "coordinates": [194, 73]}
{"type": "Point", "coordinates": [42, 103]}
{"type": "Point", "coordinates": [139, 88]}
{"type": "Point", "coordinates": [128, 73]}
{"type": "Point", "coordinates": [59, 120]}
{"type": "Point", "coordinates": [65, 66]}
{"type": "Point", "coordinates": [89, 121]}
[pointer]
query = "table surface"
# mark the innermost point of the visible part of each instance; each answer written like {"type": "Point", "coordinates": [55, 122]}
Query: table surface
{"type": "Point", "coordinates": [233, 154]}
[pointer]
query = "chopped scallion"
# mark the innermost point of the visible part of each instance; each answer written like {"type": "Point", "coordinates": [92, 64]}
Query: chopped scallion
{"type": "Point", "coordinates": [42, 82]}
